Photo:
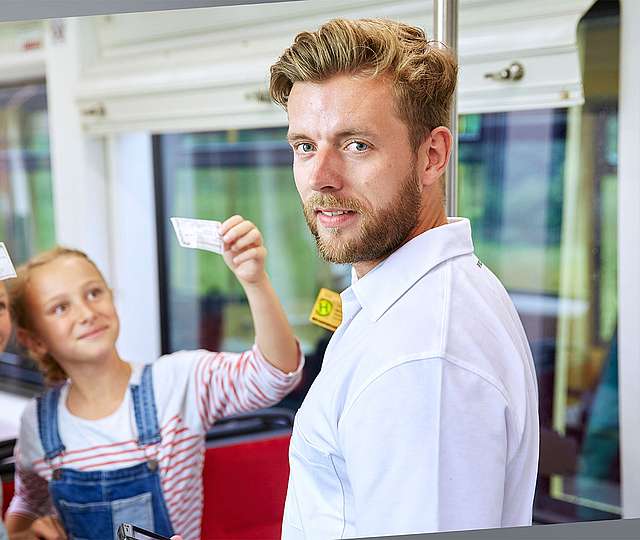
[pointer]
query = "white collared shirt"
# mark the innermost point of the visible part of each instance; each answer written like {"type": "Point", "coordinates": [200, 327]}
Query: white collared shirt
{"type": "Point", "coordinates": [424, 416]}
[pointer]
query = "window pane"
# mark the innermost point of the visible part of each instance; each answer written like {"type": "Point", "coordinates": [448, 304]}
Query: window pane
{"type": "Point", "coordinates": [540, 188]}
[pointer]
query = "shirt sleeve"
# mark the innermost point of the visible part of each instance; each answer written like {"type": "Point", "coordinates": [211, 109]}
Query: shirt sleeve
{"type": "Point", "coordinates": [425, 445]}
{"type": "Point", "coordinates": [31, 491]}
{"type": "Point", "coordinates": [222, 384]}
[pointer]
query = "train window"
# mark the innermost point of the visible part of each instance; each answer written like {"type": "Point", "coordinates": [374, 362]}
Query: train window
{"type": "Point", "coordinates": [26, 221]}
{"type": "Point", "coordinates": [213, 176]}
{"type": "Point", "coordinates": [540, 188]}
{"type": "Point", "coordinates": [26, 203]}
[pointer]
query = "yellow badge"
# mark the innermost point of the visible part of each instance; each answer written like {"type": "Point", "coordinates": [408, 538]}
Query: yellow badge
{"type": "Point", "coordinates": [327, 311]}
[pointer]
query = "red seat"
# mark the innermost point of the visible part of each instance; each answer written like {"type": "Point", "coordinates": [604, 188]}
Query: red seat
{"type": "Point", "coordinates": [7, 493]}
{"type": "Point", "coordinates": [245, 485]}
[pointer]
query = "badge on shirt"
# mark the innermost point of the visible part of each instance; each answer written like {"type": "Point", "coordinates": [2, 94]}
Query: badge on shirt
{"type": "Point", "coordinates": [327, 310]}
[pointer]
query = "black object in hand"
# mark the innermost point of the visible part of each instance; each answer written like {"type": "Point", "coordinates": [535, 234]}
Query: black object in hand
{"type": "Point", "coordinates": [127, 531]}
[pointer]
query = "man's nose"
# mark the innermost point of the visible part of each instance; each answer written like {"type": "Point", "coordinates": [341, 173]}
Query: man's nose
{"type": "Point", "coordinates": [326, 174]}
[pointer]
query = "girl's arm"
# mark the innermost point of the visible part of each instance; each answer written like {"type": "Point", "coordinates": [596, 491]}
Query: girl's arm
{"type": "Point", "coordinates": [221, 384]}
{"type": "Point", "coordinates": [245, 255]}
{"type": "Point", "coordinates": [31, 499]}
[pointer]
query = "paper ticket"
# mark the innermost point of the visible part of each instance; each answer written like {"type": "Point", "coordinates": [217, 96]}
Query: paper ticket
{"type": "Point", "coordinates": [6, 266]}
{"type": "Point", "coordinates": [198, 233]}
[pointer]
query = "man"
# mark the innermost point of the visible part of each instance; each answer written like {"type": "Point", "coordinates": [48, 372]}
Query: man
{"type": "Point", "coordinates": [424, 415]}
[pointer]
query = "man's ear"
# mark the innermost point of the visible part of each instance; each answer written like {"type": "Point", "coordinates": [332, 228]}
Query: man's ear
{"type": "Point", "coordinates": [434, 155]}
{"type": "Point", "coordinates": [31, 342]}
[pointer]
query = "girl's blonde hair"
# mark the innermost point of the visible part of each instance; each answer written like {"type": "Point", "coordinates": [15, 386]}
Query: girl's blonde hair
{"type": "Point", "coordinates": [423, 75]}
{"type": "Point", "coordinates": [51, 369]}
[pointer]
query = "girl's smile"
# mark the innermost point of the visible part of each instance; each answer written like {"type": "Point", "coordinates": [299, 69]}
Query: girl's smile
{"type": "Point", "coordinates": [97, 332]}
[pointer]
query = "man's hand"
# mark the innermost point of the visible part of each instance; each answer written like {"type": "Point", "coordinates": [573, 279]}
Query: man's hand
{"type": "Point", "coordinates": [243, 250]}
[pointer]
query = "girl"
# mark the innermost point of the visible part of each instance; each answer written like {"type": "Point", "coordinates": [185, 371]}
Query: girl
{"type": "Point", "coordinates": [122, 441]}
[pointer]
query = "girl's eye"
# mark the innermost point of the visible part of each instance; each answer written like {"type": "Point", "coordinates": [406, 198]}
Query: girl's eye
{"type": "Point", "coordinates": [358, 146]}
{"type": "Point", "coordinates": [3, 306]}
{"type": "Point", "coordinates": [304, 147]}
{"type": "Point", "coordinates": [60, 309]}
{"type": "Point", "coordinates": [94, 293]}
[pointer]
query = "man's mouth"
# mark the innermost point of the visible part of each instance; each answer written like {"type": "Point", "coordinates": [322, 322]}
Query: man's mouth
{"type": "Point", "coordinates": [332, 213]}
{"type": "Point", "coordinates": [335, 217]}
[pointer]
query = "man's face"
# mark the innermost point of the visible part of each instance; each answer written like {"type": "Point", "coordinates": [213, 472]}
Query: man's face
{"type": "Point", "coordinates": [354, 167]}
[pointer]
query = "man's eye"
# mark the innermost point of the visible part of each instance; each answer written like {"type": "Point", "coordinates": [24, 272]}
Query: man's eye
{"type": "Point", "coordinates": [305, 147]}
{"type": "Point", "coordinates": [358, 146]}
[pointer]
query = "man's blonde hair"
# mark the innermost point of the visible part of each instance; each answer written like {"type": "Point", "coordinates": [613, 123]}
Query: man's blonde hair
{"type": "Point", "coordinates": [423, 76]}
{"type": "Point", "coordinates": [20, 310]}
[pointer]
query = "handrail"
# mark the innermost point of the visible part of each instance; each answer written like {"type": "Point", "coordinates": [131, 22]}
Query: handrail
{"type": "Point", "coordinates": [445, 30]}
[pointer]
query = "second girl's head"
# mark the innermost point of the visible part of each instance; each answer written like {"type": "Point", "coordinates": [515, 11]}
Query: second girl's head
{"type": "Point", "coordinates": [64, 312]}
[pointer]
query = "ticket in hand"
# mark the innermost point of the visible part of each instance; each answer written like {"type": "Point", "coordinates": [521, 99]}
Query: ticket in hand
{"type": "Point", "coordinates": [198, 233]}
{"type": "Point", "coordinates": [6, 266]}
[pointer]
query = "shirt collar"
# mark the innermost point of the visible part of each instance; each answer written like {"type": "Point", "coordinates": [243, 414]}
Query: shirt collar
{"type": "Point", "coordinates": [381, 287]}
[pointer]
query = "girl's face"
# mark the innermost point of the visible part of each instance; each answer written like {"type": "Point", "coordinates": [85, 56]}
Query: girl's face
{"type": "Point", "coordinates": [71, 311]}
{"type": "Point", "coordinates": [5, 319]}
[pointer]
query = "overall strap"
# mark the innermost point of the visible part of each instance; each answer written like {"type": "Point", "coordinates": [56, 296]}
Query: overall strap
{"type": "Point", "coordinates": [144, 405]}
{"type": "Point", "coordinates": [47, 408]}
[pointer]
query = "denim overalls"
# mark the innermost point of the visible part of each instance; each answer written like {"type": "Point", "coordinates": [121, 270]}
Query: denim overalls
{"type": "Point", "coordinates": [93, 504]}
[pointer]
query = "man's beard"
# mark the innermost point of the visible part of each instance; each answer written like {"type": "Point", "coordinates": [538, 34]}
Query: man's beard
{"type": "Point", "coordinates": [380, 233]}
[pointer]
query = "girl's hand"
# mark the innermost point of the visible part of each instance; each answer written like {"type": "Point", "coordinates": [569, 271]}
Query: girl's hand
{"type": "Point", "coordinates": [176, 538]}
{"type": "Point", "coordinates": [243, 250]}
{"type": "Point", "coordinates": [48, 528]}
